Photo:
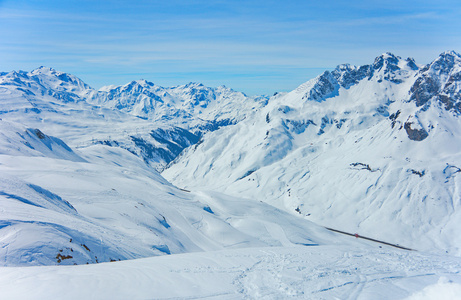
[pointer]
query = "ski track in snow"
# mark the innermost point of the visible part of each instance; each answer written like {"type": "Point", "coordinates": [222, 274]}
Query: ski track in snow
{"type": "Point", "coordinates": [316, 272]}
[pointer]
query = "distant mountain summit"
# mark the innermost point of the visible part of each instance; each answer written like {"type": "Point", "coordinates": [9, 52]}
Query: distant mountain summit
{"type": "Point", "coordinates": [193, 104]}
{"type": "Point", "coordinates": [45, 81]}
{"type": "Point", "coordinates": [439, 81]}
{"type": "Point", "coordinates": [175, 117]}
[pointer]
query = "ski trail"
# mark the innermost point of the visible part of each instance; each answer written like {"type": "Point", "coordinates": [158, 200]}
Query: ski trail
{"type": "Point", "coordinates": [266, 280]}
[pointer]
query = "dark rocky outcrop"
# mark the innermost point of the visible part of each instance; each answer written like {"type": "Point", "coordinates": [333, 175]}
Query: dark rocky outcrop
{"type": "Point", "coordinates": [415, 134]}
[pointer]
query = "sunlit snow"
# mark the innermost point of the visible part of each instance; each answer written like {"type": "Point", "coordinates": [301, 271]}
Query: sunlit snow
{"type": "Point", "coordinates": [371, 150]}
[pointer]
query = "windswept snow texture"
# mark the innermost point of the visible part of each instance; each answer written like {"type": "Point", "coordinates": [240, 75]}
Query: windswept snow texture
{"type": "Point", "coordinates": [371, 149]}
{"type": "Point", "coordinates": [153, 122]}
{"type": "Point", "coordinates": [323, 272]}
{"type": "Point", "coordinates": [17, 140]}
{"type": "Point", "coordinates": [105, 204]}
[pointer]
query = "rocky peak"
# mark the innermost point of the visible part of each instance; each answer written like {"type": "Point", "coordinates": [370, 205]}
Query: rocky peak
{"type": "Point", "coordinates": [388, 60]}
{"type": "Point", "coordinates": [385, 67]}
{"type": "Point", "coordinates": [134, 93]}
{"type": "Point", "coordinates": [144, 82]}
{"type": "Point", "coordinates": [193, 84]}
{"type": "Point", "coordinates": [133, 86]}
{"type": "Point", "coordinates": [47, 81]}
{"type": "Point", "coordinates": [410, 62]}
{"type": "Point", "coordinates": [441, 81]}
{"type": "Point", "coordinates": [324, 86]}
{"type": "Point", "coordinates": [51, 78]}
{"type": "Point", "coordinates": [389, 67]}
{"type": "Point", "coordinates": [43, 70]}
{"type": "Point", "coordinates": [195, 94]}
{"type": "Point", "coordinates": [348, 75]}
{"type": "Point", "coordinates": [446, 63]}
{"type": "Point", "coordinates": [15, 78]}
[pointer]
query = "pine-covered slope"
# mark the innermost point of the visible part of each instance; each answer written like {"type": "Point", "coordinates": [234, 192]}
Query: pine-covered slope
{"type": "Point", "coordinates": [371, 149]}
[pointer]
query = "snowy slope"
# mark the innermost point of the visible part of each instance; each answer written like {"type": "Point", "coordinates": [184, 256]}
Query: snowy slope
{"type": "Point", "coordinates": [103, 203]}
{"type": "Point", "coordinates": [17, 140]}
{"type": "Point", "coordinates": [371, 149]}
{"type": "Point", "coordinates": [321, 272]}
{"type": "Point", "coordinates": [153, 122]}
{"type": "Point", "coordinates": [368, 149]}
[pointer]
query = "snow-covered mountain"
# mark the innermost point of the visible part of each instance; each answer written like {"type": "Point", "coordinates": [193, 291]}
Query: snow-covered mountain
{"type": "Point", "coordinates": [372, 149]}
{"type": "Point", "coordinates": [193, 105]}
{"type": "Point", "coordinates": [44, 81]}
{"type": "Point", "coordinates": [150, 121]}
{"type": "Point", "coordinates": [101, 203]}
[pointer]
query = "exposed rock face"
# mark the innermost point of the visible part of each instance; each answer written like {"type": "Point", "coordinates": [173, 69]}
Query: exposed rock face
{"type": "Point", "coordinates": [386, 67]}
{"type": "Point", "coordinates": [348, 75]}
{"type": "Point", "coordinates": [412, 64]}
{"type": "Point", "coordinates": [423, 90]}
{"type": "Point", "coordinates": [325, 87]}
{"type": "Point", "coordinates": [415, 134]}
{"type": "Point", "coordinates": [440, 81]}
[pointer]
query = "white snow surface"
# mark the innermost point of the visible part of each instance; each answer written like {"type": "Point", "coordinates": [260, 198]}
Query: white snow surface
{"type": "Point", "coordinates": [360, 157]}
{"type": "Point", "coordinates": [371, 149]}
{"type": "Point", "coordinates": [318, 272]}
{"type": "Point", "coordinates": [108, 205]}
{"type": "Point", "coordinates": [153, 122]}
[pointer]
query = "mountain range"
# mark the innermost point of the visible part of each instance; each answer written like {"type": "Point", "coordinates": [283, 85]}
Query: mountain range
{"type": "Point", "coordinates": [140, 171]}
{"type": "Point", "coordinates": [371, 149]}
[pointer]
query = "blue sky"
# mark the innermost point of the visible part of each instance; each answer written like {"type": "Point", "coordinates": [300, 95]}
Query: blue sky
{"type": "Point", "coordinates": [258, 47]}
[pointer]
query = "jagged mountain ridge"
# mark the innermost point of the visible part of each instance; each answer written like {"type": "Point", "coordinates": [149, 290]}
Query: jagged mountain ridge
{"type": "Point", "coordinates": [153, 122]}
{"type": "Point", "coordinates": [282, 150]}
{"type": "Point", "coordinates": [99, 203]}
{"type": "Point", "coordinates": [45, 81]}
{"type": "Point", "coordinates": [192, 103]}
{"type": "Point", "coordinates": [371, 149]}
{"type": "Point", "coordinates": [440, 79]}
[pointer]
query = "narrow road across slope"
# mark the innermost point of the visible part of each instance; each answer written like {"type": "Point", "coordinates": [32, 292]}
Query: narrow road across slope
{"type": "Point", "coordinates": [370, 239]}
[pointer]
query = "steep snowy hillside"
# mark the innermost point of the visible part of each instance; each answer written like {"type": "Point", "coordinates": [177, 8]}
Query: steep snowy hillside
{"type": "Point", "coordinates": [371, 149]}
{"type": "Point", "coordinates": [102, 203]}
{"type": "Point", "coordinates": [152, 122]}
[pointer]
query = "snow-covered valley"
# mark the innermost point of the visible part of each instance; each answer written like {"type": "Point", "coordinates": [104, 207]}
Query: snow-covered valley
{"type": "Point", "coordinates": [247, 185]}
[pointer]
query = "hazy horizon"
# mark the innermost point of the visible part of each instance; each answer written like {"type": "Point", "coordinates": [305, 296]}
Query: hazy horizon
{"type": "Point", "coordinates": [251, 46]}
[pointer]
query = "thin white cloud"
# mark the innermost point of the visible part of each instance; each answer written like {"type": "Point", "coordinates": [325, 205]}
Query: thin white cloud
{"type": "Point", "coordinates": [169, 39]}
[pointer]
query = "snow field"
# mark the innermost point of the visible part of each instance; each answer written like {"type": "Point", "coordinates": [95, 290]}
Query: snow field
{"type": "Point", "coordinates": [369, 149]}
{"type": "Point", "coordinates": [298, 272]}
